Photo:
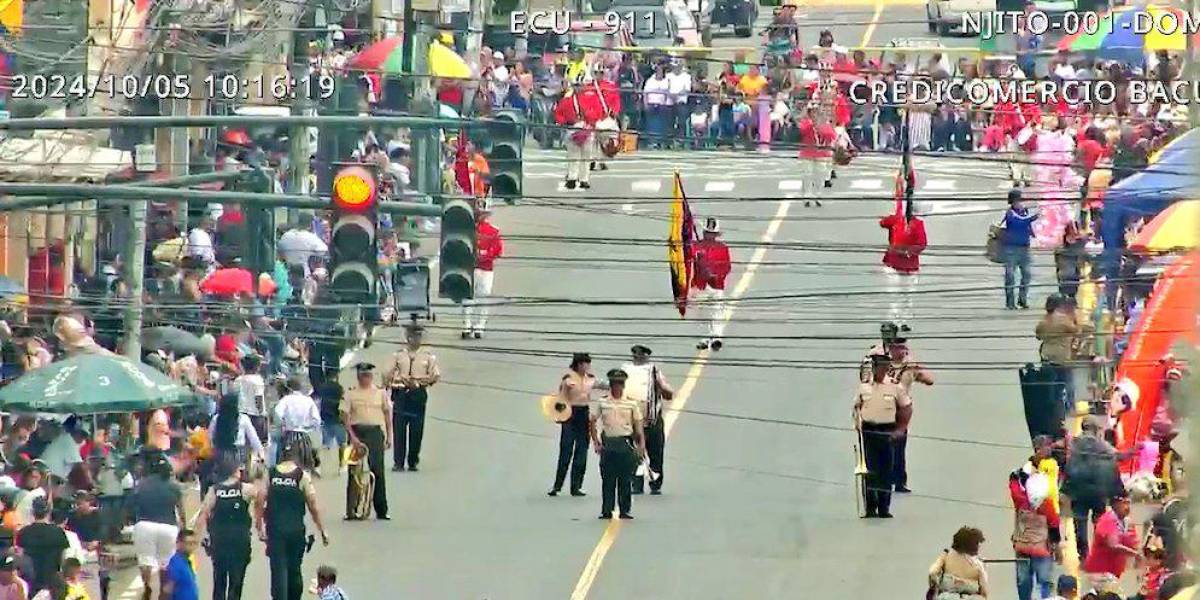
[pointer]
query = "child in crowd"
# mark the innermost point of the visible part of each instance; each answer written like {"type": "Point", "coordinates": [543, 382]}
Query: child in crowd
{"type": "Point", "coordinates": [327, 587]}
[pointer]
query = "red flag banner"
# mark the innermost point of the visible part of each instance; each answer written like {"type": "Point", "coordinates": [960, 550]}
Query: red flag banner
{"type": "Point", "coordinates": [680, 252]}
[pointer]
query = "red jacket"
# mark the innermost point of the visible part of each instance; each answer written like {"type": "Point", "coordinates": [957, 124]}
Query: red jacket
{"type": "Point", "coordinates": [612, 96]}
{"type": "Point", "coordinates": [712, 265]}
{"type": "Point", "coordinates": [904, 237]}
{"type": "Point", "coordinates": [490, 245]}
{"type": "Point", "coordinates": [816, 141]}
{"type": "Point", "coordinates": [565, 112]}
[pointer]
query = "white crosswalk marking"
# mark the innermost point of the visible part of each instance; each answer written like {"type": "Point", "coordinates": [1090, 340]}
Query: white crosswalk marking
{"type": "Point", "coordinates": [938, 185]}
{"type": "Point", "coordinates": [718, 186]}
{"type": "Point", "coordinates": [791, 185]}
{"type": "Point", "coordinates": [866, 184]}
{"type": "Point", "coordinates": [1004, 185]}
{"type": "Point", "coordinates": [562, 186]}
{"type": "Point", "coordinates": [647, 185]}
{"type": "Point", "coordinates": [627, 208]}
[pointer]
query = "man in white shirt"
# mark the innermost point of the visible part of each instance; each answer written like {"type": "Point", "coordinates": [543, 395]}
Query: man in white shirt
{"type": "Point", "coordinates": [299, 418]}
{"type": "Point", "coordinates": [200, 242]}
{"type": "Point", "coordinates": [63, 452]}
{"type": "Point", "coordinates": [656, 96]}
{"type": "Point", "coordinates": [500, 80]}
{"type": "Point", "coordinates": [679, 85]}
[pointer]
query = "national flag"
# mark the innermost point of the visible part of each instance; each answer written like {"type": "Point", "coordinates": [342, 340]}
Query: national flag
{"type": "Point", "coordinates": [680, 252]}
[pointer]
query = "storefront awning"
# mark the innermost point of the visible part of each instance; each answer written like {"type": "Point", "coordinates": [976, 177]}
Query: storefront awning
{"type": "Point", "coordinates": [59, 157]}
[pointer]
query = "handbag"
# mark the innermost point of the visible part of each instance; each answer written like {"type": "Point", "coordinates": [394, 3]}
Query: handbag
{"type": "Point", "coordinates": [994, 247]}
{"type": "Point", "coordinates": [1031, 534]}
{"type": "Point", "coordinates": [932, 592]}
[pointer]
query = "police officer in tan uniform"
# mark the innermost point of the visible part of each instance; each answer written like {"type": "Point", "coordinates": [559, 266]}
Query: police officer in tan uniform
{"type": "Point", "coordinates": [414, 370]}
{"type": "Point", "coordinates": [367, 411]}
{"type": "Point", "coordinates": [882, 410]}
{"type": "Point", "coordinates": [617, 435]}
{"type": "Point", "coordinates": [904, 370]}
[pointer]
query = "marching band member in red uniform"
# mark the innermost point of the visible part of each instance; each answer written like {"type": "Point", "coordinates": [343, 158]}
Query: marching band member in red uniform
{"type": "Point", "coordinates": [490, 246]}
{"type": "Point", "coordinates": [711, 266]}
{"type": "Point", "coordinates": [608, 129]}
{"type": "Point", "coordinates": [579, 110]}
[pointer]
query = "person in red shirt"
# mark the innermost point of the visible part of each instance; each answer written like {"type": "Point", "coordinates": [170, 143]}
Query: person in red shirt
{"type": "Point", "coordinates": [902, 261]}
{"type": "Point", "coordinates": [578, 111]}
{"type": "Point", "coordinates": [711, 265]}
{"type": "Point", "coordinates": [1116, 540]}
{"type": "Point", "coordinates": [489, 246]}
{"type": "Point", "coordinates": [816, 154]}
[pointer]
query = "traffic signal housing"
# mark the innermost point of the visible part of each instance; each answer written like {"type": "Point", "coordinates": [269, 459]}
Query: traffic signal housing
{"type": "Point", "coordinates": [457, 251]}
{"type": "Point", "coordinates": [504, 150]}
{"type": "Point", "coordinates": [354, 259]}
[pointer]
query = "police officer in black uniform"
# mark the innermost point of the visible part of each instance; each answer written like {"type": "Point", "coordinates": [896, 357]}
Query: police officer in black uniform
{"type": "Point", "coordinates": [226, 514]}
{"type": "Point", "coordinates": [287, 495]}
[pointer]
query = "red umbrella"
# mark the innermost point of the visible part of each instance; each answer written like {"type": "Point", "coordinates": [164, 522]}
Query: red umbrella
{"type": "Point", "coordinates": [228, 282]}
{"type": "Point", "coordinates": [376, 56]}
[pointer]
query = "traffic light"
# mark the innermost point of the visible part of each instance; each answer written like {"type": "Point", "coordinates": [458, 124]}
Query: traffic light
{"type": "Point", "coordinates": [457, 255]}
{"type": "Point", "coordinates": [353, 252]}
{"type": "Point", "coordinates": [504, 148]}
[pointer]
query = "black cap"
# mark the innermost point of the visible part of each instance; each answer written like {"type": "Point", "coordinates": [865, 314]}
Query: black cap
{"type": "Point", "coordinates": [1014, 195]}
{"type": "Point", "coordinates": [617, 375]}
{"type": "Point", "coordinates": [640, 349]}
{"type": "Point", "coordinates": [880, 359]}
{"type": "Point", "coordinates": [364, 367]}
{"type": "Point", "coordinates": [1118, 496]}
{"type": "Point", "coordinates": [580, 358]}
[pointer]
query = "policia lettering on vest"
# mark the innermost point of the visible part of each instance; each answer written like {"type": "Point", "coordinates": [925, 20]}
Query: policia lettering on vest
{"type": "Point", "coordinates": [287, 495]}
{"type": "Point", "coordinates": [882, 410]}
{"type": "Point", "coordinates": [617, 435]}
{"type": "Point", "coordinates": [225, 514]}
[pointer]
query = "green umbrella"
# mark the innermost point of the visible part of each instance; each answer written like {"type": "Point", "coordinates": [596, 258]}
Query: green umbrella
{"type": "Point", "coordinates": [92, 384]}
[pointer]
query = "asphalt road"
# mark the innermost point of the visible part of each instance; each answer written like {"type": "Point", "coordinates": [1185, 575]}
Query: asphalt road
{"type": "Point", "coordinates": [758, 501]}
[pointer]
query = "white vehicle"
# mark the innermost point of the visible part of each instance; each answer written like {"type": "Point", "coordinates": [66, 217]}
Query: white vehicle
{"type": "Point", "coordinates": [946, 15]}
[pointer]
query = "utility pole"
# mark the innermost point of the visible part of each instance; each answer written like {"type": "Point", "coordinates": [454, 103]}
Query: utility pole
{"type": "Point", "coordinates": [475, 24]}
{"type": "Point", "coordinates": [1190, 68]}
{"type": "Point", "coordinates": [299, 150]}
{"type": "Point", "coordinates": [137, 267]}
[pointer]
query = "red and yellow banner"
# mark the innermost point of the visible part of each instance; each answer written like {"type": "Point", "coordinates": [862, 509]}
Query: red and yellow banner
{"type": "Point", "coordinates": [680, 239]}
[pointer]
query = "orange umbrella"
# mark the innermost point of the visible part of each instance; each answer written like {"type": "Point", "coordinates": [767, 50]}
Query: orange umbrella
{"type": "Point", "coordinates": [1169, 316]}
{"type": "Point", "coordinates": [1176, 228]}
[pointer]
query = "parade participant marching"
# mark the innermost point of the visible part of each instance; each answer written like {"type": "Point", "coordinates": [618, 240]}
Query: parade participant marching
{"type": "Point", "coordinates": [579, 113]}
{"type": "Point", "coordinates": [902, 260]}
{"type": "Point", "coordinates": [367, 410]}
{"type": "Point", "coordinates": [575, 393]}
{"type": "Point", "coordinates": [816, 153]}
{"type": "Point", "coordinates": [646, 385]}
{"type": "Point", "coordinates": [414, 369]}
{"type": "Point", "coordinates": [712, 266]}
{"type": "Point", "coordinates": [298, 417]}
{"type": "Point", "coordinates": [489, 246]}
{"type": "Point", "coordinates": [608, 128]}
{"type": "Point", "coordinates": [903, 370]}
{"type": "Point", "coordinates": [615, 423]}
{"type": "Point", "coordinates": [881, 413]}
{"type": "Point", "coordinates": [225, 512]}
{"type": "Point", "coordinates": [286, 497]}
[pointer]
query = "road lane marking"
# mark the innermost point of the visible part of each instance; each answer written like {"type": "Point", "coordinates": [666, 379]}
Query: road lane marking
{"type": "Point", "coordinates": [647, 185]}
{"type": "Point", "coordinates": [866, 40]}
{"type": "Point", "coordinates": [939, 185]}
{"type": "Point", "coordinates": [718, 186]}
{"type": "Point", "coordinates": [866, 184]}
{"type": "Point", "coordinates": [628, 208]}
{"type": "Point", "coordinates": [671, 416]}
{"type": "Point", "coordinates": [791, 185]}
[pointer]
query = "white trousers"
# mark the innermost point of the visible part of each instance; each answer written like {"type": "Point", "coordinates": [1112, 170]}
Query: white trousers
{"type": "Point", "coordinates": [710, 304]}
{"type": "Point", "coordinates": [813, 173]}
{"type": "Point", "coordinates": [475, 312]}
{"type": "Point", "coordinates": [578, 158]}
{"type": "Point", "coordinates": [900, 290]}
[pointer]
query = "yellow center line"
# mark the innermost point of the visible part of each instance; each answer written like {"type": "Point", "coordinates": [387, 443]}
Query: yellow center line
{"type": "Point", "coordinates": [609, 537]}
{"type": "Point", "coordinates": [866, 40]}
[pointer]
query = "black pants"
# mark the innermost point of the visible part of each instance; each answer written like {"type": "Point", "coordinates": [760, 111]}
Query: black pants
{"type": "Point", "coordinates": [1086, 511]}
{"type": "Point", "coordinates": [618, 461]}
{"type": "Point", "coordinates": [229, 561]}
{"type": "Point", "coordinates": [373, 437]}
{"type": "Point", "coordinates": [285, 551]}
{"type": "Point", "coordinates": [573, 449]}
{"type": "Point", "coordinates": [878, 451]}
{"type": "Point", "coordinates": [408, 423]}
{"type": "Point", "coordinates": [656, 446]}
{"type": "Point", "coordinates": [900, 461]}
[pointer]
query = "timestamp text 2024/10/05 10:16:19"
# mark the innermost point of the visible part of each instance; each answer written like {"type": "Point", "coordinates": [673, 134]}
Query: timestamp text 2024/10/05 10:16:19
{"type": "Point", "coordinates": [994, 23]}
{"type": "Point", "coordinates": [166, 87]}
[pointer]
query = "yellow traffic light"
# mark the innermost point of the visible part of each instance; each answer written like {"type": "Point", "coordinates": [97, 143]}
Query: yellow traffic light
{"type": "Point", "coordinates": [354, 189]}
